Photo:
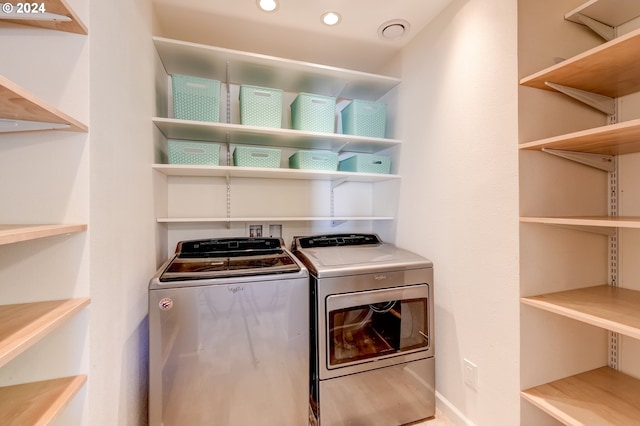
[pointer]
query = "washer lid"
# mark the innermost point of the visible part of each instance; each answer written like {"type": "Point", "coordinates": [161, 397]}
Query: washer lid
{"type": "Point", "coordinates": [228, 257]}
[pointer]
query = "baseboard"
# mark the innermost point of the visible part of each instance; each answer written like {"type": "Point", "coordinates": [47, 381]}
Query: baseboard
{"type": "Point", "coordinates": [450, 411]}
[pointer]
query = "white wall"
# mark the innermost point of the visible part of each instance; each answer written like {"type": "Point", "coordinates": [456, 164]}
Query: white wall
{"type": "Point", "coordinates": [459, 199]}
{"type": "Point", "coordinates": [123, 237]}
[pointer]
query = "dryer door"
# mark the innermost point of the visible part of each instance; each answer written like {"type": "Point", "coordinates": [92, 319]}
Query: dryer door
{"type": "Point", "coordinates": [377, 324]}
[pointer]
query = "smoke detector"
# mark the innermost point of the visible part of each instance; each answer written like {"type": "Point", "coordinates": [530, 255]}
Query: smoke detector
{"type": "Point", "coordinates": [394, 29]}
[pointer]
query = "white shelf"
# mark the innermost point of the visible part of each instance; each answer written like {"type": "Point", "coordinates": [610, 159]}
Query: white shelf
{"type": "Point", "coordinates": [632, 222]}
{"type": "Point", "coordinates": [173, 128]}
{"type": "Point", "coordinates": [271, 219]}
{"type": "Point", "coordinates": [265, 173]}
{"type": "Point", "coordinates": [236, 67]}
{"type": "Point", "coordinates": [609, 12]}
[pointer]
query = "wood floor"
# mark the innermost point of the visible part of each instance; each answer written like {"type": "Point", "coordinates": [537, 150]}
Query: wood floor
{"type": "Point", "coordinates": [438, 420]}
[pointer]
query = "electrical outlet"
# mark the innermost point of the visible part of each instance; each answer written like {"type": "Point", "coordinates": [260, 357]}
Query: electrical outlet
{"type": "Point", "coordinates": [470, 374]}
{"type": "Point", "coordinates": [275, 230]}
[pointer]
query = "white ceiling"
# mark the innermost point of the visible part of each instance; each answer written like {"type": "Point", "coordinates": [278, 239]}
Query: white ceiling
{"type": "Point", "coordinates": [295, 29]}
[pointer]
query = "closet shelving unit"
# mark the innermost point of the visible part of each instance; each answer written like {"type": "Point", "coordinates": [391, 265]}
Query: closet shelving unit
{"type": "Point", "coordinates": [23, 325]}
{"type": "Point", "coordinates": [602, 396]}
{"type": "Point", "coordinates": [236, 67]}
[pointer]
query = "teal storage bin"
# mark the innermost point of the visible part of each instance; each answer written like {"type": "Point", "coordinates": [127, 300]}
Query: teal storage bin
{"type": "Point", "coordinates": [260, 106]}
{"type": "Point", "coordinates": [193, 152]}
{"type": "Point", "coordinates": [250, 156]}
{"type": "Point", "coordinates": [313, 113]}
{"type": "Point", "coordinates": [364, 118]}
{"type": "Point", "coordinates": [366, 163]}
{"type": "Point", "coordinates": [195, 98]}
{"type": "Point", "coordinates": [314, 160]}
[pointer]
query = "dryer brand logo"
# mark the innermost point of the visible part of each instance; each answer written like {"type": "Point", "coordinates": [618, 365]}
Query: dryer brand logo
{"type": "Point", "coordinates": [380, 277]}
{"type": "Point", "coordinates": [235, 289]}
{"type": "Point", "coordinates": [165, 304]}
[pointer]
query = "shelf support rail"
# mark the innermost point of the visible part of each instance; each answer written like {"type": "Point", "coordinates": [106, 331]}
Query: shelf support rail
{"type": "Point", "coordinates": [228, 143]}
{"type": "Point", "coordinates": [613, 257]}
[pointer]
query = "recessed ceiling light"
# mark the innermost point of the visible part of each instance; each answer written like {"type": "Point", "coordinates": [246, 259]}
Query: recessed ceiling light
{"type": "Point", "coordinates": [268, 5]}
{"type": "Point", "coordinates": [331, 18]}
{"type": "Point", "coordinates": [394, 29]}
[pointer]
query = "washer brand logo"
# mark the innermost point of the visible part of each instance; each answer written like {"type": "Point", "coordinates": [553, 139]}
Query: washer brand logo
{"type": "Point", "coordinates": [234, 290]}
{"type": "Point", "coordinates": [166, 304]}
{"type": "Point", "coordinates": [380, 277]}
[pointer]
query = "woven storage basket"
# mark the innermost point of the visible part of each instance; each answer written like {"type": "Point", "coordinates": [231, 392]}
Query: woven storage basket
{"type": "Point", "coordinates": [195, 98]}
{"type": "Point", "coordinates": [260, 106]}
{"type": "Point", "coordinates": [366, 163]}
{"type": "Point", "coordinates": [193, 152]}
{"type": "Point", "coordinates": [364, 118]}
{"type": "Point", "coordinates": [249, 156]}
{"type": "Point", "coordinates": [313, 113]}
{"type": "Point", "coordinates": [314, 160]}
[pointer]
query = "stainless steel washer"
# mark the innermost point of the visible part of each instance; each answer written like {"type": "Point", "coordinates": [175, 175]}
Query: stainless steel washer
{"type": "Point", "coordinates": [371, 340]}
{"type": "Point", "coordinates": [228, 335]}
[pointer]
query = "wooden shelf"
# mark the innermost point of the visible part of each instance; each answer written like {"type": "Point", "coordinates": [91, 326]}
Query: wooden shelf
{"type": "Point", "coordinates": [22, 325]}
{"type": "Point", "coordinates": [236, 67]}
{"type": "Point", "coordinates": [37, 403]}
{"type": "Point", "coordinates": [615, 139]}
{"type": "Point", "coordinates": [272, 219]}
{"type": "Point", "coordinates": [611, 69]}
{"type": "Point", "coordinates": [603, 397]}
{"type": "Point", "coordinates": [609, 12]}
{"type": "Point", "coordinates": [251, 135]}
{"type": "Point", "coordinates": [266, 173]}
{"type": "Point", "coordinates": [595, 221]}
{"type": "Point", "coordinates": [71, 24]}
{"type": "Point", "coordinates": [612, 308]}
{"type": "Point", "coordinates": [10, 234]}
{"type": "Point", "coordinates": [17, 105]}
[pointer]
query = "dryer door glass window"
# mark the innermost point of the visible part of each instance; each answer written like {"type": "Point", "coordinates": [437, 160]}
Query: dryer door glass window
{"type": "Point", "coordinates": [374, 324]}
